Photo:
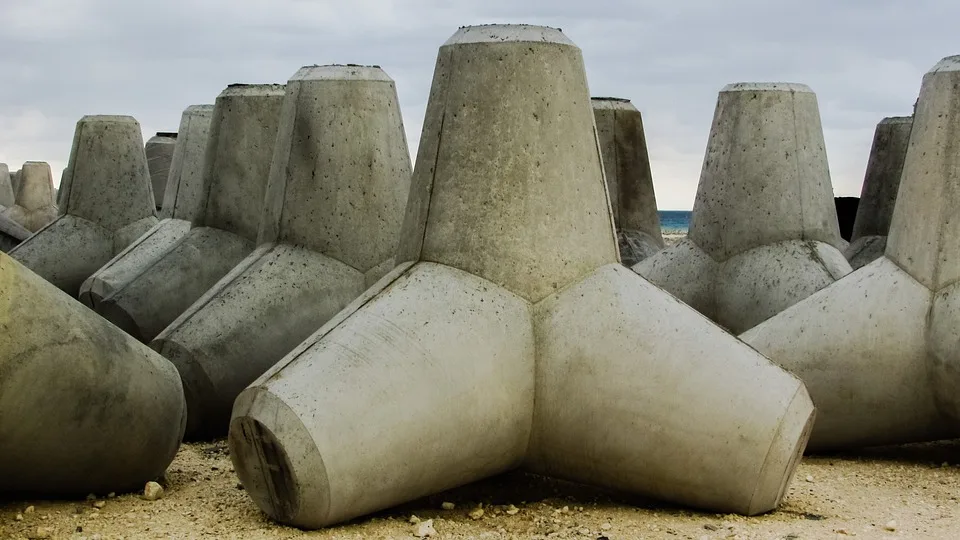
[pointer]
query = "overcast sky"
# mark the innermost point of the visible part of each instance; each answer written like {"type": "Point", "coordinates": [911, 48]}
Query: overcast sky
{"type": "Point", "coordinates": [62, 59]}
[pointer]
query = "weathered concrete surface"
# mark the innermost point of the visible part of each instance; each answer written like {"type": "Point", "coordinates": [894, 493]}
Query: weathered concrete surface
{"type": "Point", "coordinates": [878, 349]}
{"type": "Point", "coordinates": [7, 196]}
{"type": "Point", "coordinates": [11, 234]}
{"type": "Point", "coordinates": [519, 329]}
{"type": "Point", "coordinates": [183, 203]}
{"type": "Point", "coordinates": [34, 207]}
{"type": "Point", "coordinates": [107, 204]}
{"type": "Point", "coordinates": [159, 150]}
{"type": "Point", "coordinates": [15, 181]}
{"type": "Point", "coordinates": [184, 196]}
{"type": "Point", "coordinates": [83, 408]}
{"type": "Point", "coordinates": [235, 171]}
{"type": "Point", "coordinates": [764, 205]}
{"type": "Point", "coordinates": [626, 164]}
{"type": "Point", "coordinates": [879, 192]}
{"type": "Point", "coordinates": [335, 202]}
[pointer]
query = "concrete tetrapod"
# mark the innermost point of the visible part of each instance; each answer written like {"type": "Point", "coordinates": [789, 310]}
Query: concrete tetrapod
{"type": "Point", "coordinates": [629, 180]}
{"type": "Point", "coordinates": [159, 150]}
{"type": "Point", "coordinates": [879, 192]}
{"type": "Point", "coordinates": [15, 181]}
{"type": "Point", "coordinates": [83, 407]}
{"type": "Point", "coordinates": [33, 208]}
{"type": "Point", "coordinates": [236, 166]}
{"type": "Point", "coordinates": [878, 349]}
{"type": "Point", "coordinates": [485, 351]}
{"type": "Point", "coordinates": [763, 232]}
{"type": "Point", "coordinates": [335, 202]}
{"type": "Point", "coordinates": [107, 204]}
{"type": "Point", "coordinates": [7, 196]}
{"type": "Point", "coordinates": [182, 204]}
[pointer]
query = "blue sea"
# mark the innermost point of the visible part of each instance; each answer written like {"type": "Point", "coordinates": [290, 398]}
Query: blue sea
{"type": "Point", "coordinates": [674, 221]}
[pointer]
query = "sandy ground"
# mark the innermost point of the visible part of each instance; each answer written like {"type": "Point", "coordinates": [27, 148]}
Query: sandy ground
{"type": "Point", "coordinates": [913, 490]}
{"type": "Point", "coordinates": [670, 239]}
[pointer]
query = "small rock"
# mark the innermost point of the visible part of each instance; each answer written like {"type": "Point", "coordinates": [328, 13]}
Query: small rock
{"type": "Point", "coordinates": [29, 510]}
{"type": "Point", "coordinates": [809, 478]}
{"type": "Point", "coordinates": [846, 532]}
{"type": "Point", "coordinates": [91, 497]}
{"type": "Point", "coordinates": [606, 526]}
{"type": "Point", "coordinates": [890, 526]}
{"type": "Point", "coordinates": [584, 531]}
{"type": "Point", "coordinates": [19, 517]}
{"type": "Point", "coordinates": [424, 529]}
{"type": "Point", "coordinates": [448, 506]}
{"type": "Point", "coordinates": [477, 513]}
{"type": "Point", "coordinates": [512, 510]}
{"type": "Point", "coordinates": [152, 491]}
{"type": "Point", "coordinates": [111, 495]}
{"type": "Point", "coordinates": [414, 520]}
{"type": "Point", "coordinates": [99, 504]}
{"type": "Point", "coordinates": [711, 527]}
{"type": "Point", "coordinates": [41, 532]}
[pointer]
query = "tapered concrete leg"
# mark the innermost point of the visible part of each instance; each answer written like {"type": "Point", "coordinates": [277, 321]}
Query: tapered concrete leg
{"type": "Point", "coordinates": [247, 322]}
{"type": "Point", "coordinates": [34, 207]}
{"type": "Point", "coordinates": [719, 439]}
{"type": "Point", "coordinates": [764, 210]}
{"type": "Point", "coordinates": [626, 166]}
{"type": "Point", "coordinates": [159, 150]}
{"type": "Point", "coordinates": [130, 262]}
{"type": "Point", "coordinates": [184, 196]}
{"type": "Point", "coordinates": [314, 444]}
{"type": "Point", "coordinates": [860, 348]}
{"type": "Point", "coordinates": [83, 407]}
{"type": "Point", "coordinates": [7, 196]}
{"type": "Point", "coordinates": [44, 252]}
{"type": "Point", "coordinates": [878, 196]}
{"type": "Point", "coordinates": [160, 293]}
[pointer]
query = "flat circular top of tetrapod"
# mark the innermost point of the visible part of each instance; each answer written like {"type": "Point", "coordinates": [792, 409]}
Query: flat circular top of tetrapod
{"type": "Point", "coordinates": [118, 118]}
{"type": "Point", "coordinates": [165, 135]}
{"type": "Point", "coordinates": [950, 63]}
{"type": "Point", "coordinates": [766, 87]}
{"type": "Point", "coordinates": [241, 89]}
{"type": "Point", "coordinates": [612, 103]}
{"type": "Point", "coordinates": [498, 33]}
{"type": "Point", "coordinates": [341, 72]}
{"type": "Point", "coordinates": [897, 120]}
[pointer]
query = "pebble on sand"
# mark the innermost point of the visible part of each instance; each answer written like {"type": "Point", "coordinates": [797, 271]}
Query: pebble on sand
{"type": "Point", "coordinates": [890, 526]}
{"type": "Point", "coordinates": [424, 529]}
{"type": "Point", "coordinates": [152, 491]}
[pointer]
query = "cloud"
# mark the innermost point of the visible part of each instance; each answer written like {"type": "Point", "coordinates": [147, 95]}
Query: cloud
{"type": "Point", "coordinates": [864, 58]}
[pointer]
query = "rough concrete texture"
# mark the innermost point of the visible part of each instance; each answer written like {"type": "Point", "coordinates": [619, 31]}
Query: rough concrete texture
{"type": "Point", "coordinates": [879, 192]}
{"type": "Point", "coordinates": [15, 181]}
{"type": "Point", "coordinates": [34, 207]}
{"type": "Point", "coordinates": [159, 150]}
{"type": "Point", "coordinates": [335, 202]}
{"type": "Point", "coordinates": [182, 204]}
{"type": "Point", "coordinates": [878, 349]}
{"type": "Point", "coordinates": [107, 204]}
{"type": "Point", "coordinates": [83, 408]}
{"type": "Point", "coordinates": [154, 290]}
{"type": "Point", "coordinates": [626, 164]}
{"type": "Point", "coordinates": [7, 195]}
{"type": "Point", "coordinates": [764, 206]}
{"type": "Point", "coordinates": [520, 329]}
{"type": "Point", "coordinates": [184, 195]}
{"type": "Point", "coordinates": [11, 234]}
